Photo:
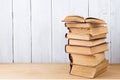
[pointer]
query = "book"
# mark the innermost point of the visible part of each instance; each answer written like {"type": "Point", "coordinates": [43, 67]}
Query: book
{"type": "Point", "coordinates": [92, 31]}
{"type": "Point", "coordinates": [100, 72]}
{"type": "Point", "coordinates": [85, 36]}
{"type": "Point", "coordinates": [89, 71]}
{"type": "Point", "coordinates": [82, 25]}
{"type": "Point", "coordinates": [76, 18]}
{"type": "Point", "coordinates": [73, 18]}
{"type": "Point", "coordinates": [86, 60]}
{"type": "Point", "coordinates": [86, 43]}
{"type": "Point", "coordinates": [94, 20]}
{"type": "Point", "coordinates": [86, 50]}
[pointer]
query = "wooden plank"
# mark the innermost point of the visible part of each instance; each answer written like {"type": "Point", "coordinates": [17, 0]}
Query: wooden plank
{"type": "Point", "coordinates": [5, 31]}
{"type": "Point", "coordinates": [58, 30]}
{"type": "Point", "coordinates": [41, 31]}
{"type": "Point", "coordinates": [79, 7]}
{"type": "Point", "coordinates": [22, 37]}
{"type": "Point", "coordinates": [59, 12]}
{"type": "Point", "coordinates": [115, 31]}
{"type": "Point", "coordinates": [101, 9]}
{"type": "Point", "coordinates": [55, 71]}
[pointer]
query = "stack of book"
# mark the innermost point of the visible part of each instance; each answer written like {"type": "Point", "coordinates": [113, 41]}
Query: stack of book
{"type": "Point", "coordinates": [86, 45]}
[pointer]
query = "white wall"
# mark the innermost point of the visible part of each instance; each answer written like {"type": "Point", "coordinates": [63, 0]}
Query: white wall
{"type": "Point", "coordinates": [32, 31]}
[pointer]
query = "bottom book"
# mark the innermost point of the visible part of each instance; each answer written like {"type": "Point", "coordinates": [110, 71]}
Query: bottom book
{"type": "Point", "coordinates": [89, 71]}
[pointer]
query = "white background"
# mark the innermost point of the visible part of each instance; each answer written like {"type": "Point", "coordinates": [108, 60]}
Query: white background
{"type": "Point", "coordinates": [32, 31]}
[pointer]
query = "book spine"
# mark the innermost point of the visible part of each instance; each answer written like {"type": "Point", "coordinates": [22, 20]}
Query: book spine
{"type": "Point", "coordinates": [69, 29]}
{"type": "Point", "coordinates": [65, 49]}
{"type": "Point", "coordinates": [70, 68]}
{"type": "Point", "coordinates": [65, 24]}
{"type": "Point", "coordinates": [68, 41]}
{"type": "Point", "coordinates": [66, 35]}
{"type": "Point", "coordinates": [70, 58]}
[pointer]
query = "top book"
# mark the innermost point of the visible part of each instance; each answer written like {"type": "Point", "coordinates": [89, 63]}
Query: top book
{"type": "Point", "coordinates": [76, 18]}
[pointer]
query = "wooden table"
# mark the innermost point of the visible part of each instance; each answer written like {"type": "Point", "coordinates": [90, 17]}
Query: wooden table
{"type": "Point", "coordinates": [49, 71]}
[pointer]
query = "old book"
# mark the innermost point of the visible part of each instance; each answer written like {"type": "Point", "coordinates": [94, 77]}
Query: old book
{"type": "Point", "coordinates": [86, 60]}
{"type": "Point", "coordinates": [86, 43]}
{"type": "Point", "coordinates": [86, 50]}
{"type": "Point", "coordinates": [73, 18]}
{"type": "Point", "coordinates": [101, 71]}
{"type": "Point", "coordinates": [82, 25]}
{"type": "Point", "coordinates": [92, 31]}
{"type": "Point", "coordinates": [85, 36]}
{"type": "Point", "coordinates": [76, 18]}
{"type": "Point", "coordinates": [94, 20]}
{"type": "Point", "coordinates": [89, 71]}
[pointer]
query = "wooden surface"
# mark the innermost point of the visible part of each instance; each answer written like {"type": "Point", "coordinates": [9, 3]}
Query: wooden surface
{"type": "Point", "coordinates": [49, 71]}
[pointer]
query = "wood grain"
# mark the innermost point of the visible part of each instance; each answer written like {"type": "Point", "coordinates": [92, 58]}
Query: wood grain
{"type": "Point", "coordinates": [49, 71]}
